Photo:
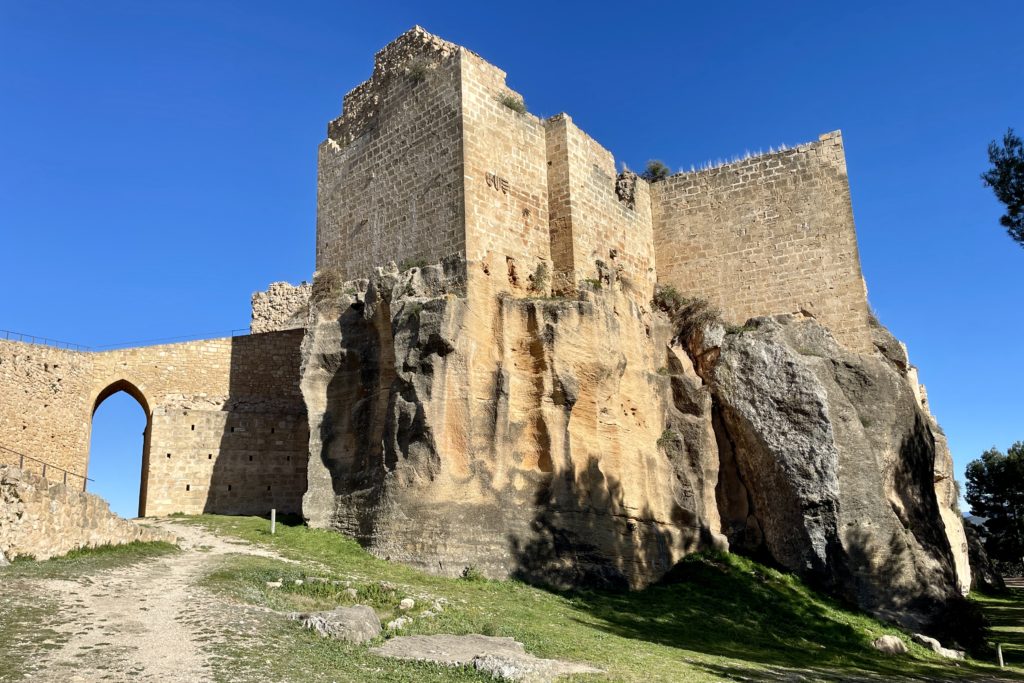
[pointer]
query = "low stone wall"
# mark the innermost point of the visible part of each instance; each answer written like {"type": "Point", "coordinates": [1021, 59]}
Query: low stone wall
{"type": "Point", "coordinates": [44, 519]}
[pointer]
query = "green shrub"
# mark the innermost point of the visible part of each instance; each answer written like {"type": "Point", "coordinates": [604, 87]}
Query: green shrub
{"type": "Point", "coordinates": [513, 102]}
{"type": "Point", "coordinates": [540, 278]}
{"type": "Point", "coordinates": [667, 299]}
{"type": "Point", "coordinates": [689, 316]}
{"type": "Point", "coordinates": [471, 573]}
{"type": "Point", "coordinates": [656, 171]}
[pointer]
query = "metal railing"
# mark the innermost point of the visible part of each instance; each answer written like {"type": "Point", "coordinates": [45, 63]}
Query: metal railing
{"type": "Point", "coordinates": [21, 465]}
{"type": "Point", "coordinates": [45, 341]}
{"type": "Point", "coordinates": [237, 332]}
{"type": "Point", "coordinates": [56, 343]}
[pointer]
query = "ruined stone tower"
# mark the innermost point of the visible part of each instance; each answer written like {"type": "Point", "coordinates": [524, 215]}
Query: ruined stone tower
{"type": "Point", "coordinates": [435, 157]}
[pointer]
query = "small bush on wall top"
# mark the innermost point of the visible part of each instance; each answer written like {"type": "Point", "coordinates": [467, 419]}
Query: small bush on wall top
{"type": "Point", "coordinates": [513, 102]}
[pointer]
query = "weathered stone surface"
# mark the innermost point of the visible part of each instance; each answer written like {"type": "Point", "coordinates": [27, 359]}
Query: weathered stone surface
{"type": "Point", "coordinates": [984, 575]}
{"type": "Point", "coordinates": [947, 495]}
{"type": "Point", "coordinates": [828, 465]}
{"type": "Point", "coordinates": [890, 645]}
{"type": "Point", "coordinates": [42, 519]}
{"type": "Point", "coordinates": [356, 624]}
{"type": "Point", "coordinates": [502, 658]}
{"type": "Point", "coordinates": [282, 306]}
{"type": "Point", "coordinates": [936, 647]}
{"type": "Point", "coordinates": [558, 440]}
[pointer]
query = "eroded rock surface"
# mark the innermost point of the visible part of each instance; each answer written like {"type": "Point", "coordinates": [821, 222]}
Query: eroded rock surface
{"type": "Point", "coordinates": [563, 440]}
{"type": "Point", "coordinates": [574, 441]}
{"type": "Point", "coordinates": [984, 574]}
{"type": "Point", "coordinates": [828, 465]}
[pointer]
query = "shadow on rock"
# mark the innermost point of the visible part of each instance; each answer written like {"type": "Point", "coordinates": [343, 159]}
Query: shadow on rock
{"type": "Point", "coordinates": [583, 535]}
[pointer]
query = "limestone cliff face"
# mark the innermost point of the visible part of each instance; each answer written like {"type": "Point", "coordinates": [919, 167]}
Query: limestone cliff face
{"type": "Point", "coordinates": [555, 439]}
{"type": "Point", "coordinates": [456, 423]}
{"type": "Point", "coordinates": [828, 466]}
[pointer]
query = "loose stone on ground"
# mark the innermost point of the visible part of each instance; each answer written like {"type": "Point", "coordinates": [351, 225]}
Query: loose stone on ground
{"type": "Point", "coordinates": [353, 624]}
{"type": "Point", "coordinates": [503, 658]}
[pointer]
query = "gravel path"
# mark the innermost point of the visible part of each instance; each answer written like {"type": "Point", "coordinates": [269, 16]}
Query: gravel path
{"type": "Point", "coordinates": [142, 622]}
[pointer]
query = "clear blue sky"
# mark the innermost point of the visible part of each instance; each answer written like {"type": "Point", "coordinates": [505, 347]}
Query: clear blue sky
{"type": "Point", "coordinates": [158, 159]}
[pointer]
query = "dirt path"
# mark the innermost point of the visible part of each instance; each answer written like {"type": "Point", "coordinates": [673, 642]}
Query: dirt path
{"type": "Point", "coordinates": [140, 622]}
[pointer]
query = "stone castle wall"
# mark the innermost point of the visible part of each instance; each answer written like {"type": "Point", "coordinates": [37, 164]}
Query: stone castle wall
{"type": "Point", "coordinates": [43, 519]}
{"type": "Point", "coordinates": [226, 429]}
{"type": "Point", "coordinates": [596, 215]}
{"type": "Point", "coordinates": [390, 171]}
{"type": "Point", "coordinates": [769, 234]}
{"type": "Point", "coordinates": [45, 411]}
{"type": "Point", "coordinates": [505, 179]}
{"type": "Point", "coordinates": [428, 160]}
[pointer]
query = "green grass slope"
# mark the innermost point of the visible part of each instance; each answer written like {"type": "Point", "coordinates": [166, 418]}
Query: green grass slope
{"type": "Point", "coordinates": [728, 618]}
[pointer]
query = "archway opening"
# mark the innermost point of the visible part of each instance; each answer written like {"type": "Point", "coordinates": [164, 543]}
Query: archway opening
{"type": "Point", "coordinates": [117, 448]}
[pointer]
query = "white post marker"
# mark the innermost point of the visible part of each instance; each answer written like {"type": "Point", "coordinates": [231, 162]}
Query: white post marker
{"type": "Point", "coordinates": [999, 650]}
{"type": "Point", "coordinates": [273, 521]}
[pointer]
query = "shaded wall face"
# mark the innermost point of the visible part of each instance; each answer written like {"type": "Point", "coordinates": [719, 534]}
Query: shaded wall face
{"type": "Point", "coordinates": [226, 432]}
{"type": "Point", "coordinates": [771, 234]}
{"type": "Point", "coordinates": [390, 172]}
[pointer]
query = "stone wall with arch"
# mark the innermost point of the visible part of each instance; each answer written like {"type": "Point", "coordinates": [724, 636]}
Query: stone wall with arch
{"type": "Point", "coordinates": [226, 425]}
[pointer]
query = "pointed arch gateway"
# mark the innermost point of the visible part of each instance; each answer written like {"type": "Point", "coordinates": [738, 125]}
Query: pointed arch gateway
{"type": "Point", "coordinates": [123, 385]}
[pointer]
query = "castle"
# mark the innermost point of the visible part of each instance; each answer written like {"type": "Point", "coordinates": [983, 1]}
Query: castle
{"type": "Point", "coordinates": [477, 375]}
{"type": "Point", "coordinates": [434, 156]}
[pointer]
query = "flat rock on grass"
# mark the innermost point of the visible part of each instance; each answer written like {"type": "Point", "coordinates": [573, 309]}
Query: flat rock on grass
{"type": "Point", "coordinates": [890, 645]}
{"type": "Point", "coordinates": [503, 658]}
{"type": "Point", "coordinates": [936, 647]}
{"type": "Point", "coordinates": [354, 624]}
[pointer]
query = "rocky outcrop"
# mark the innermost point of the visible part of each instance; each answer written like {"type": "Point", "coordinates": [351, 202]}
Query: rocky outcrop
{"type": "Point", "coordinates": [455, 424]}
{"type": "Point", "coordinates": [946, 490]}
{"type": "Point", "coordinates": [828, 465]}
{"type": "Point", "coordinates": [561, 440]}
{"type": "Point", "coordinates": [43, 519]}
{"type": "Point", "coordinates": [984, 574]}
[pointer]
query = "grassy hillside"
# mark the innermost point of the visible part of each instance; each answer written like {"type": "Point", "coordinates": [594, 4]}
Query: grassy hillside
{"type": "Point", "coordinates": [728, 618]}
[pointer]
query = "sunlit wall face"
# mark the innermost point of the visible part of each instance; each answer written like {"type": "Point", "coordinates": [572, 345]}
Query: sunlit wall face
{"type": "Point", "coordinates": [115, 453]}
